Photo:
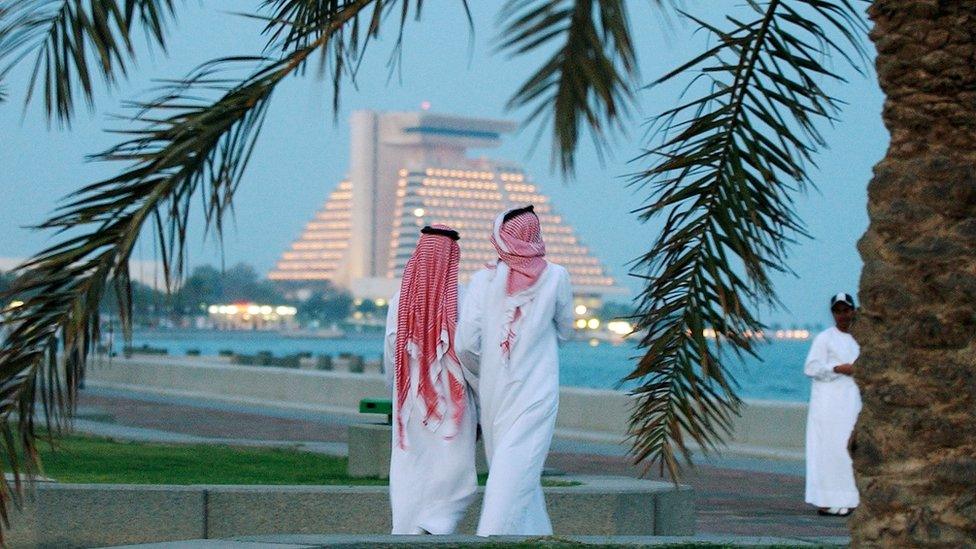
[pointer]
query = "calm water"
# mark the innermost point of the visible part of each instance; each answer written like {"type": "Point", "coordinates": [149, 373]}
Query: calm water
{"type": "Point", "coordinates": [779, 376]}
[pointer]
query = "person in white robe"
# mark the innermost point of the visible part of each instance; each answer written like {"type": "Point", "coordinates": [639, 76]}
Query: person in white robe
{"type": "Point", "coordinates": [432, 462]}
{"type": "Point", "coordinates": [835, 402]}
{"type": "Point", "coordinates": [514, 315]}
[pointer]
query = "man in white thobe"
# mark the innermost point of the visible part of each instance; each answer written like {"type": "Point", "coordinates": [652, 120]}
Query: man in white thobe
{"type": "Point", "coordinates": [432, 467]}
{"type": "Point", "coordinates": [514, 314]}
{"type": "Point", "coordinates": [835, 402]}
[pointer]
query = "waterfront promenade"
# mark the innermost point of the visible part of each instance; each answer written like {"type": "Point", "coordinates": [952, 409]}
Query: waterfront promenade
{"type": "Point", "coordinates": [740, 496]}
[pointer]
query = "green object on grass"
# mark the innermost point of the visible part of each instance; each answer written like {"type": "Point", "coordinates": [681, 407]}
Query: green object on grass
{"type": "Point", "coordinates": [377, 406]}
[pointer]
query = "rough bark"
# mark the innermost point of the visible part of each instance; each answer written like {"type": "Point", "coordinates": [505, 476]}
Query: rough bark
{"type": "Point", "coordinates": [916, 454]}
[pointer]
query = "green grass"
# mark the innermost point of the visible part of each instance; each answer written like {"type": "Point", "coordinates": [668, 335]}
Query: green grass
{"type": "Point", "coordinates": [548, 482]}
{"type": "Point", "coordinates": [83, 459]}
{"type": "Point", "coordinates": [86, 459]}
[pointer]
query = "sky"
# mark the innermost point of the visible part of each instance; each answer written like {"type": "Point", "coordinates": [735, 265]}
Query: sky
{"type": "Point", "coordinates": [302, 152]}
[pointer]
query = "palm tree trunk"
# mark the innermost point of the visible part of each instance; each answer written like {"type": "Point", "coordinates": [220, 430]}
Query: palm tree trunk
{"type": "Point", "coordinates": [916, 436]}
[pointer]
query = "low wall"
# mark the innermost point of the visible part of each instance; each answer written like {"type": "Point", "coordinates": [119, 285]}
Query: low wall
{"type": "Point", "coordinates": [93, 515]}
{"type": "Point", "coordinates": [765, 428]}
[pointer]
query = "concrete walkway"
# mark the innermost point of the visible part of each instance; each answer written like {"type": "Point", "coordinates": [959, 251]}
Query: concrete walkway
{"type": "Point", "coordinates": [363, 542]}
{"type": "Point", "coordinates": [734, 495]}
{"type": "Point", "coordinates": [141, 434]}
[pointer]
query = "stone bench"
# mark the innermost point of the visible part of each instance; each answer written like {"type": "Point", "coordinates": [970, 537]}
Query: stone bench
{"type": "Point", "coordinates": [91, 515]}
{"type": "Point", "coordinates": [672, 507]}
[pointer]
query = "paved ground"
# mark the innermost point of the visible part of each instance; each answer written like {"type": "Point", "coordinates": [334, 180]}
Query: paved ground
{"type": "Point", "coordinates": [747, 497]}
{"type": "Point", "coordinates": [452, 542]}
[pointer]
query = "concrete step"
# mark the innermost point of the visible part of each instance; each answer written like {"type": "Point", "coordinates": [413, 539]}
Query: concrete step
{"type": "Point", "coordinates": [380, 541]}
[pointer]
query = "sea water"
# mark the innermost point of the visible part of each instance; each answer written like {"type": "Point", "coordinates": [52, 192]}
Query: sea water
{"type": "Point", "coordinates": [777, 373]}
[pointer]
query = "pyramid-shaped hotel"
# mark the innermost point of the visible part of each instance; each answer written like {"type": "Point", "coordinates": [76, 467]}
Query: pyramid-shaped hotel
{"type": "Point", "coordinates": [410, 169]}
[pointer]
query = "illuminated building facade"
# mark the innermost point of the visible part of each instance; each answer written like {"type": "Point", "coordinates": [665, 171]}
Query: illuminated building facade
{"type": "Point", "coordinates": [320, 251]}
{"type": "Point", "coordinates": [410, 169]}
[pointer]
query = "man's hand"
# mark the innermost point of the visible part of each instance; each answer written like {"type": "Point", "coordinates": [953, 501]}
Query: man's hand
{"type": "Point", "coordinates": [846, 369]}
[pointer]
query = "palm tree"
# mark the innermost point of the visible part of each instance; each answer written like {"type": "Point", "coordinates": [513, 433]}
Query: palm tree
{"type": "Point", "coordinates": [722, 169]}
{"type": "Point", "coordinates": [916, 461]}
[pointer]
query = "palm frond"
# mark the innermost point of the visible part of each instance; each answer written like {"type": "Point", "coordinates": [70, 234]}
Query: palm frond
{"type": "Point", "coordinates": [195, 139]}
{"type": "Point", "coordinates": [729, 161]}
{"type": "Point", "coordinates": [587, 81]}
{"type": "Point", "coordinates": [5, 33]}
{"type": "Point", "coordinates": [74, 42]}
{"type": "Point", "coordinates": [294, 23]}
{"type": "Point", "coordinates": [184, 148]}
{"type": "Point", "coordinates": [291, 24]}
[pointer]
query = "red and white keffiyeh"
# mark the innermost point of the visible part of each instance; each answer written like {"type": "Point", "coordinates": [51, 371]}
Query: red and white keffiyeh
{"type": "Point", "coordinates": [427, 308]}
{"type": "Point", "coordinates": [519, 244]}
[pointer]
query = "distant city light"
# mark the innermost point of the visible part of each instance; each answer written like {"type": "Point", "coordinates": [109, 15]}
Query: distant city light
{"type": "Point", "coordinates": [425, 105]}
{"type": "Point", "coordinates": [593, 323]}
{"type": "Point", "coordinates": [252, 309]}
{"type": "Point", "coordinates": [594, 342]}
{"type": "Point", "coordinates": [620, 327]}
{"type": "Point", "coordinates": [380, 302]}
{"type": "Point", "coordinates": [418, 212]}
{"type": "Point", "coordinates": [581, 323]}
{"type": "Point", "coordinates": [581, 309]}
{"type": "Point", "coordinates": [791, 334]}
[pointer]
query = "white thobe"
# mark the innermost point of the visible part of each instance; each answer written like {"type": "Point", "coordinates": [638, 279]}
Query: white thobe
{"type": "Point", "coordinates": [518, 395]}
{"type": "Point", "coordinates": [835, 402]}
{"type": "Point", "coordinates": [432, 480]}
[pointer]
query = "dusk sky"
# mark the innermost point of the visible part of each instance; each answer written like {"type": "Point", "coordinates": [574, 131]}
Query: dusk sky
{"type": "Point", "coordinates": [302, 154]}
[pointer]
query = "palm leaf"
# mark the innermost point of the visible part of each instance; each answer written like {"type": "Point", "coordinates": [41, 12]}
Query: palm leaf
{"type": "Point", "coordinates": [198, 149]}
{"type": "Point", "coordinates": [193, 140]}
{"type": "Point", "coordinates": [73, 42]}
{"type": "Point", "coordinates": [587, 81]}
{"type": "Point", "coordinates": [4, 37]}
{"type": "Point", "coordinates": [723, 176]}
{"type": "Point", "coordinates": [292, 23]}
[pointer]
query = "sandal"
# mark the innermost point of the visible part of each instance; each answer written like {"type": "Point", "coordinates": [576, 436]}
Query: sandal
{"type": "Point", "coordinates": [835, 511]}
